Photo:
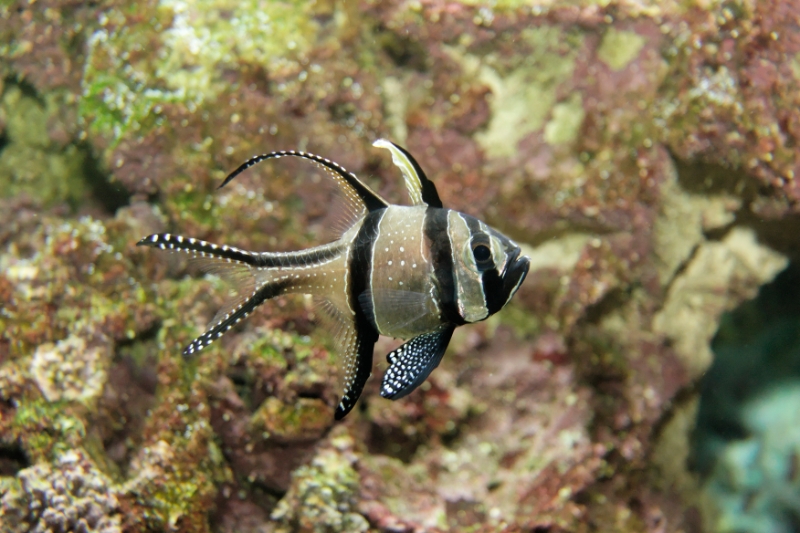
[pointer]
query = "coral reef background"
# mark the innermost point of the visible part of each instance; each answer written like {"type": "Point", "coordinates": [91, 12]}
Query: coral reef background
{"type": "Point", "coordinates": [644, 152]}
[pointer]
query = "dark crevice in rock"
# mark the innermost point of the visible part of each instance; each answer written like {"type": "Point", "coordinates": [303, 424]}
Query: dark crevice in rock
{"type": "Point", "coordinates": [244, 384]}
{"type": "Point", "coordinates": [756, 349]}
{"type": "Point", "coordinates": [403, 51]}
{"type": "Point", "coordinates": [393, 442]}
{"type": "Point", "coordinates": [27, 88]}
{"type": "Point", "coordinates": [148, 334]}
{"type": "Point", "coordinates": [699, 177]}
{"type": "Point", "coordinates": [12, 460]}
{"type": "Point", "coordinates": [615, 299]}
{"type": "Point", "coordinates": [782, 234]}
{"type": "Point", "coordinates": [109, 194]}
{"type": "Point", "coordinates": [263, 491]}
{"type": "Point", "coordinates": [682, 266]}
{"type": "Point", "coordinates": [129, 394]}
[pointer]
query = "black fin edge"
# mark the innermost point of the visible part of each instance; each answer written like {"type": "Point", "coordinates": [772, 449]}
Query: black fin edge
{"type": "Point", "coordinates": [428, 189]}
{"type": "Point", "coordinates": [366, 346]}
{"type": "Point", "coordinates": [263, 294]}
{"type": "Point", "coordinates": [370, 198]}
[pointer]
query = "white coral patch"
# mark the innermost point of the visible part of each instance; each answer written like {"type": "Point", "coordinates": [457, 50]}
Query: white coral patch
{"type": "Point", "coordinates": [70, 494]}
{"type": "Point", "coordinates": [71, 369]}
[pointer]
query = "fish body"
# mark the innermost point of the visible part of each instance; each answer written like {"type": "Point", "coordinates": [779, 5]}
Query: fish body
{"type": "Point", "coordinates": [409, 272]}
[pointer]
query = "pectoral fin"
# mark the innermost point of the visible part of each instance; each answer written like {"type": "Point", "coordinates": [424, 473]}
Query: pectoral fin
{"type": "Point", "coordinates": [412, 363]}
{"type": "Point", "coordinates": [408, 308]}
{"type": "Point", "coordinates": [421, 190]}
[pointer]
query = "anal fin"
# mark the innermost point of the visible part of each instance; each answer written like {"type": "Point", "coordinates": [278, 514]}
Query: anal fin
{"type": "Point", "coordinates": [412, 363]}
{"type": "Point", "coordinates": [359, 368]}
{"type": "Point", "coordinates": [355, 340]}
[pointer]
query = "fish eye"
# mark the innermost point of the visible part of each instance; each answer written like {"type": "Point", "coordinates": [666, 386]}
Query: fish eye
{"type": "Point", "coordinates": [482, 253]}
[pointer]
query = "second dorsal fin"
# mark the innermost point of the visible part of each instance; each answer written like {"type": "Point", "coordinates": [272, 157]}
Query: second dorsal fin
{"type": "Point", "coordinates": [354, 190]}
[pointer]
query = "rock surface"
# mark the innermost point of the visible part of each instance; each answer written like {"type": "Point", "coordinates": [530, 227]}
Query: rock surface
{"type": "Point", "coordinates": [644, 153]}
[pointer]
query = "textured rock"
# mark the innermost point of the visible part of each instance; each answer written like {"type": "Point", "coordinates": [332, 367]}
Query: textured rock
{"type": "Point", "coordinates": [71, 369]}
{"type": "Point", "coordinates": [322, 496]}
{"type": "Point", "coordinates": [643, 154]}
{"type": "Point", "coordinates": [69, 495]}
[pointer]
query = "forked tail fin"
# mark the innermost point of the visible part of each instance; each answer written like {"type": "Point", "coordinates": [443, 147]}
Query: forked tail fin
{"type": "Point", "coordinates": [239, 267]}
{"type": "Point", "coordinates": [255, 277]}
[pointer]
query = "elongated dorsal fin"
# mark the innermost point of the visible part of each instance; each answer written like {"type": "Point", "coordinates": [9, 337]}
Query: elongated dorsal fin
{"type": "Point", "coordinates": [354, 189]}
{"type": "Point", "coordinates": [421, 190]}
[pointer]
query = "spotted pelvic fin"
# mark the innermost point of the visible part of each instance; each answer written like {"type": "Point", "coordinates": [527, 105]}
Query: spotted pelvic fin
{"type": "Point", "coordinates": [421, 190]}
{"type": "Point", "coordinates": [412, 363]}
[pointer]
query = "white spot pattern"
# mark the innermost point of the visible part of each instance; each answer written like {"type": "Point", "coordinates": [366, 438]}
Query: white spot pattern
{"type": "Point", "coordinates": [412, 363]}
{"type": "Point", "coordinates": [355, 204]}
{"type": "Point", "coordinates": [294, 266]}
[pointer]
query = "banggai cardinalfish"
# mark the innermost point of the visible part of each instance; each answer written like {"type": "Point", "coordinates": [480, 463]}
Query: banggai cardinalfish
{"type": "Point", "coordinates": [410, 272]}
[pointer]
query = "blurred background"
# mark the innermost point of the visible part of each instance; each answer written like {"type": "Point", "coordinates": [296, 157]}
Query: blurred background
{"type": "Point", "coordinates": [646, 377]}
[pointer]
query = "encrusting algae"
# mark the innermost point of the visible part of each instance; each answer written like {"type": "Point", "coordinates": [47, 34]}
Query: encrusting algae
{"type": "Point", "coordinates": [632, 151]}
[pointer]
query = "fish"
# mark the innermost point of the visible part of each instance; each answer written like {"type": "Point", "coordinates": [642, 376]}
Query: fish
{"type": "Point", "coordinates": [413, 272]}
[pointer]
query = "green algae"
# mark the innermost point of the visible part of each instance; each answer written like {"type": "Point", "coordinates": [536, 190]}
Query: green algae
{"type": "Point", "coordinates": [525, 92]}
{"type": "Point", "coordinates": [322, 496]}
{"type": "Point", "coordinates": [196, 44]}
{"type": "Point", "coordinates": [566, 123]}
{"type": "Point", "coordinates": [46, 429]}
{"type": "Point", "coordinates": [118, 90]}
{"type": "Point", "coordinates": [265, 349]}
{"type": "Point", "coordinates": [619, 48]}
{"type": "Point", "coordinates": [794, 63]}
{"type": "Point", "coordinates": [520, 320]}
{"type": "Point", "coordinates": [195, 205]}
{"type": "Point", "coordinates": [204, 38]}
{"type": "Point", "coordinates": [31, 163]}
{"type": "Point", "coordinates": [304, 419]}
{"type": "Point", "coordinates": [173, 488]}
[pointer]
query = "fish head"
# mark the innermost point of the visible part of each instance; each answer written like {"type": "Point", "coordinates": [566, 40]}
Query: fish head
{"type": "Point", "coordinates": [489, 267]}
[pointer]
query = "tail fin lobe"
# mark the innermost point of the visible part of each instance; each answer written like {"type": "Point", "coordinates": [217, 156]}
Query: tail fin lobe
{"type": "Point", "coordinates": [198, 248]}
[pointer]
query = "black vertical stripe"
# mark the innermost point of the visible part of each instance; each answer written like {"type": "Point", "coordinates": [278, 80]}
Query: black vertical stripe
{"type": "Point", "coordinates": [491, 282]}
{"type": "Point", "coordinates": [360, 267]}
{"type": "Point", "coordinates": [435, 231]}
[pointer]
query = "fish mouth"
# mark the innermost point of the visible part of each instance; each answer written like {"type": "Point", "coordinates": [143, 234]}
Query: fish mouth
{"type": "Point", "coordinates": [516, 270]}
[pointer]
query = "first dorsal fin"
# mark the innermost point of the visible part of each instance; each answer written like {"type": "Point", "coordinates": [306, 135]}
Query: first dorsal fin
{"type": "Point", "coordinates": [354, 189]}
{"type": "Point", "coordinates": [421, 190]}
